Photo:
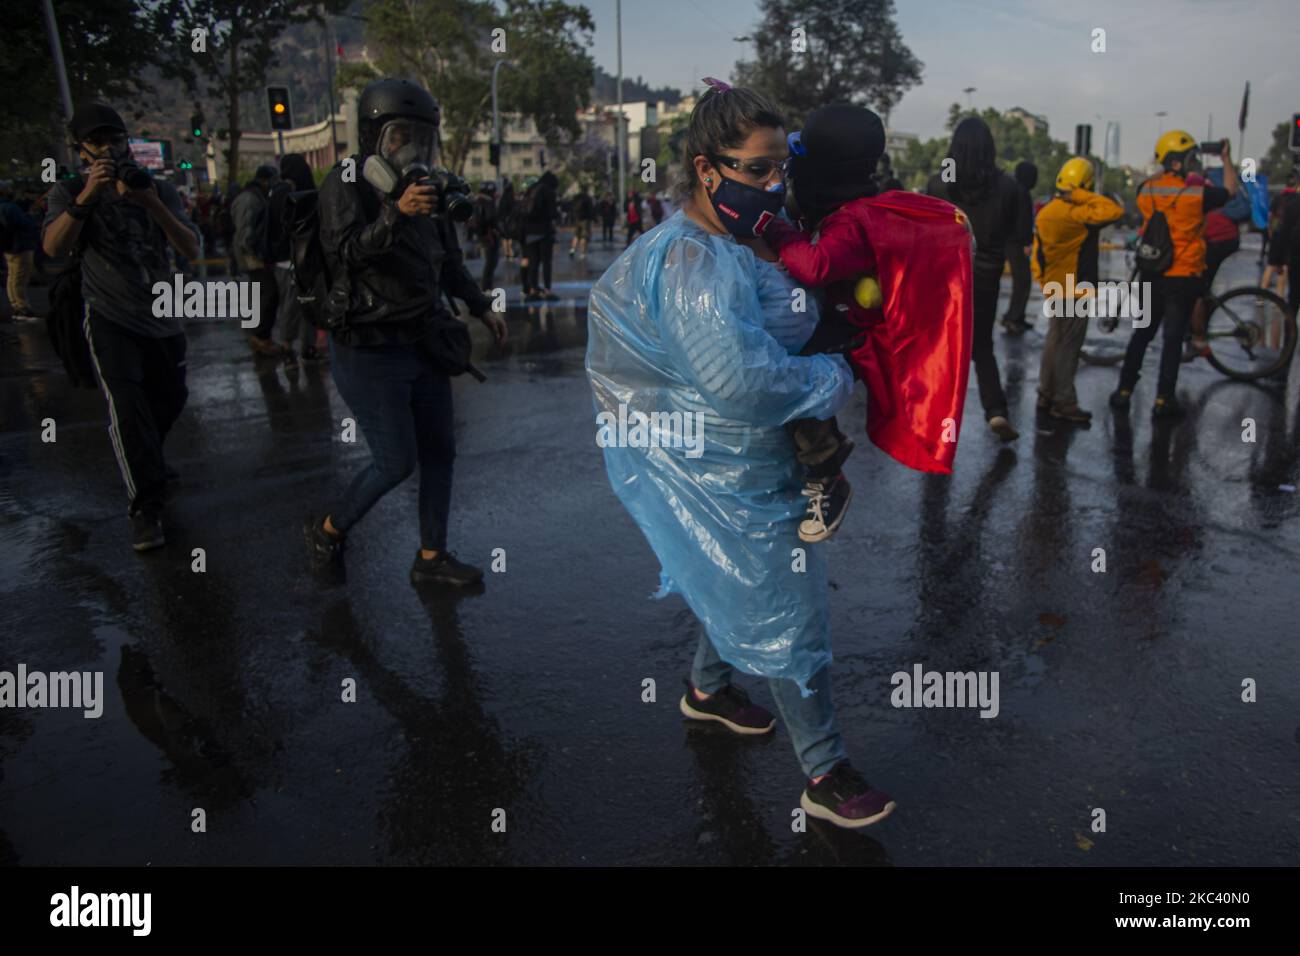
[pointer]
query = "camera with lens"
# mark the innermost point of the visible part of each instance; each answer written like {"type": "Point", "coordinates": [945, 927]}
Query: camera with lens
{"type": "Point", "coordinates": [130, 173]}
{"type": "Point", "coordinates": [453, 193]}
{"type": "Point", "coordinates": [1212, 149]}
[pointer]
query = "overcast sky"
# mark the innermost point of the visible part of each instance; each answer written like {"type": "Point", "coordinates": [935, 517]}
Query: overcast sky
{"type": "Point", "coordinates": [1190, 58]}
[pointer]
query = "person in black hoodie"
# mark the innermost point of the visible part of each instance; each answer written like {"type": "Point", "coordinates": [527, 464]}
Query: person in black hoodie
{"type": "Point", "coordinates": [393, 257]}
{"type": "Point", "coordinates": [1013, 323]}
{"type": "Point", "coordinates": [295, 176]}
{"type": "Point", "coordinates": [990, 199]}
{"type": "Point", "coordinates": [538, 230]}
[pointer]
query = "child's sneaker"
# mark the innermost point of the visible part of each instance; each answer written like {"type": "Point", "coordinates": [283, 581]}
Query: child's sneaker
{"type": "Point", "coordinates": [844, 798]}
{"type": "Point", "coordinates": [827, 504]}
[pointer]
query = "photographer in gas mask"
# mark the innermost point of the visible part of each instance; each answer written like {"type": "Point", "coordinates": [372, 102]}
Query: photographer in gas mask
{"type": "Point", "coordinates": [117, 221]}
{"type": "Point", "coordinates": [390, 245]}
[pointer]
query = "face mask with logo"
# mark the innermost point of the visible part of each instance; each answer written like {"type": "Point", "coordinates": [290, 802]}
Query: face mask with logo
{"type": "Point", "coordinates": [746, 210]}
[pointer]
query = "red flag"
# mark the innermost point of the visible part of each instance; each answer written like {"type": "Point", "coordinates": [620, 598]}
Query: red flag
{"type": "Point", "coordinates": [916, 360]}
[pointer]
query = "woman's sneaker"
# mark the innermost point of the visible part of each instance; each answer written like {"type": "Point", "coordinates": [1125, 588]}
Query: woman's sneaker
{"type": "Point", "coordinates": [326, 549]}
{"type": "Point", "coordinates": [445, 570]}
{"type": "Point", "coordinates": [828, 502]}
{"type": "Point", "coordinates": [844, 798]}
{"type": "Point", "coordinates": [730, 707]}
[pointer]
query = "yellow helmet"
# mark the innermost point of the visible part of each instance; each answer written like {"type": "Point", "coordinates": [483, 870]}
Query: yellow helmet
{"type": "Point", "coordinates": [1076, 173]}
{"type": "Point", "coordinates": [1174, 141]}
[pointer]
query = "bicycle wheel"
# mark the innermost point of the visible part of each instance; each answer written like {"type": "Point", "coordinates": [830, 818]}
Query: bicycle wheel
{"type": "Point", "coordinates": [1251, 333]}
{"type": "Point", "coordinates": [1105, 344]}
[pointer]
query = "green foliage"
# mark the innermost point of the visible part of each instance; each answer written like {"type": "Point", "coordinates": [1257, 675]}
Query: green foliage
{"type": "Point", "coordinates": [1277, 162]}
{"type": "Point", "coordinates": [240, 49]}
{"type": "Point", "coordinates": [854, 54]}
{"type": "Point", "coordinates": [446, 46]}
{"type": "Point", "coordinates": [105, 45]}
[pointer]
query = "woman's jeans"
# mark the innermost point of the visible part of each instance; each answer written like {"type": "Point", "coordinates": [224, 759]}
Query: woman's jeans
{"type": "Point", "coordinates": [809, 720]}
{"type": "Point", "coordinates": [402, 404]}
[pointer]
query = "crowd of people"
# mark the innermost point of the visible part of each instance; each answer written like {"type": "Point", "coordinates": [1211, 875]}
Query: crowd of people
{"type": "Point", "coordinates": [694, 316]}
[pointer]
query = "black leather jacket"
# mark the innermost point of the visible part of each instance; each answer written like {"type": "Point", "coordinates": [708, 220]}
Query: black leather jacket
{"type": "Point", "coordinates": [397, 267]}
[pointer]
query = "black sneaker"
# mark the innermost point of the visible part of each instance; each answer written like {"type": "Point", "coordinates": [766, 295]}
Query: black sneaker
{"type": "Point", "coordinates": [827, 504]}
{"type": "Point", "coordinates": [147, 530]}
{"type": "Point", "coordinates": [1121, 398]}
{"type": "Point", "coordinates": [326, 549]}
{"type": "Point", "coordinates": [1167, 408]}
{"type": "Point", "coordinates": [730, 707]}
{"type": "Point", "coordinates": [445, 569]}
{"type": "Point", "coordinates": [845, 799]}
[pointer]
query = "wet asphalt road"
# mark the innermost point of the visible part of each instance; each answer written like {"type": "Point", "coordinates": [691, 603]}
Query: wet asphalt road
{"type": "Point", "coordinates": [1118, 690]}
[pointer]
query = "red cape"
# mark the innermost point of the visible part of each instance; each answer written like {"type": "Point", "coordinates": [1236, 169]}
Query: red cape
{"type": "Point", "coordinates": [916, 359]}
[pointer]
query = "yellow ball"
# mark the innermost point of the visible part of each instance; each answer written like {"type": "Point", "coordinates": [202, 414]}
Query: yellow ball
{"type": "Point", "coordinates": [867, 293]}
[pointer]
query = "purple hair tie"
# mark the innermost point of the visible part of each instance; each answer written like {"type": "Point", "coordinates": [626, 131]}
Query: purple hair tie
{"type": "Point", "coordinates": [717, 84]}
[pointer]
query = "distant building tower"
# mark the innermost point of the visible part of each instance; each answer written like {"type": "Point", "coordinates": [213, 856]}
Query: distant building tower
{"type": "Point", "coordinates": [1111, 153]}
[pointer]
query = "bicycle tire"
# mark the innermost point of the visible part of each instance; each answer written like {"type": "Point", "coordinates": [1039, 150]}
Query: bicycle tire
{"type": "Point", "coordinates": [1289, 334]}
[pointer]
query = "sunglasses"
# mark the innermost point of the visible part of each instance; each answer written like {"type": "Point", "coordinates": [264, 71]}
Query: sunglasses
{"type": "Point", "coordinates": [759, 168]}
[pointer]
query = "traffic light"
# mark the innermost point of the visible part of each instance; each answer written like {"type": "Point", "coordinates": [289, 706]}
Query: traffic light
{"type": "Point", "coordinates": [494, 154]}
{"type": "Point", "coordinates": [1295, 132]}
{"type": "Point", "coordinates": [196, 124]}
{"type": "Point", "coordinates": [184, 164]}
{"type": "Point", "coordinates": [277, 101]}
{"type": "Point", "coordinates": [1083, 140]}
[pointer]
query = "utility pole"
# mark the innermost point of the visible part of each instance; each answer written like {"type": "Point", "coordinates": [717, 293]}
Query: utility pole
{"type": "Point", "coordinates": [622, 146]}
{"type": "Point", "coordinates": [329, 65]}
{"type": "Point", "coordinates": [56, 49]}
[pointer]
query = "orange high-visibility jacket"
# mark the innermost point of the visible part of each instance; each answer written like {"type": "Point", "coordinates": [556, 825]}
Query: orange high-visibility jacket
{"type": "Point", "coordinates": [1066, 237]}
{"type": "Point", "coordinates": [1184, 208]}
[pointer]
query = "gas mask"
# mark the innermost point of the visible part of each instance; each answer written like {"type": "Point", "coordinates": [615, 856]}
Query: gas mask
{"type": "Point", "coordinates": [404, 154]}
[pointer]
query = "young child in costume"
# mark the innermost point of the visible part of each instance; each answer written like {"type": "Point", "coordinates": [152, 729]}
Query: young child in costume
{"type": "Point", "coordinates": [902, 319]}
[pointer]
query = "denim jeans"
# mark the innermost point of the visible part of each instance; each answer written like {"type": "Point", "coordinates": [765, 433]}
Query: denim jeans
{"type": "Point", "coordinates": [1172, 301]}
{"type": "Point", "coordinates": [402, 404]}
{"type": "Point", "coordinates": [809, 720]}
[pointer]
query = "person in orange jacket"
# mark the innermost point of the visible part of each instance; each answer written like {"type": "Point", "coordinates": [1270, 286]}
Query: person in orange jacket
{"type": "Point", "coordinates": [1065, 255]}
{"type": "Point", "coordinates": [1174, 293]}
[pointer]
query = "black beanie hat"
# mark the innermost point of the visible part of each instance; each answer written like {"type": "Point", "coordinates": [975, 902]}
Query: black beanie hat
{"type": "Point", "coordinates": [1027, 174]}
{"type": "Point", "coordinates": [841, 144]}
{"type": "Point", "coordinates": [88, 117]}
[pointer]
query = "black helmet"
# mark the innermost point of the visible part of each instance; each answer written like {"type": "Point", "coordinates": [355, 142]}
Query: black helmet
{"type": "Point", "coordinates": [387, 98]}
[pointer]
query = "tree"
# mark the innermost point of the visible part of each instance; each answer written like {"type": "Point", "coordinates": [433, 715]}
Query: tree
{"type": "Point", "coordinates": [1277, 163]}
{"type": "Point", "coordinates": [447, 47]}
{"type": "Point", "coordinates": [239, 49]}
{"type": "Point", "coordinates": [854, 54]}
{"type": "Point", "coordinates": [106, 45]}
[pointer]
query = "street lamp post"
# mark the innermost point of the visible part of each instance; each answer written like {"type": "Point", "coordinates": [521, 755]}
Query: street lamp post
{"type": "Point", "coordinates": [969, 103]}
{"type": "Point", "coordinates": [496, 120]}
{"type": "Point", "coordinates": [1161, 116]}
{"type": "Point", "coordinates": [622, 146]}
{"type": "Point", "coordinates": [56, 49]}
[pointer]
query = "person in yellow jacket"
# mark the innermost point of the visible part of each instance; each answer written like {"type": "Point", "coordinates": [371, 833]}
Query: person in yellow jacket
{"type": "Point", "coordinates": [1064, 256]}
{"type": "Point", "coordinates": [1174, 294]}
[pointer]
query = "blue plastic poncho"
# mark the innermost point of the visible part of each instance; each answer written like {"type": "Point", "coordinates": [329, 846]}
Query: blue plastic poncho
{"type": "Point", "coordinates": [688, 329]}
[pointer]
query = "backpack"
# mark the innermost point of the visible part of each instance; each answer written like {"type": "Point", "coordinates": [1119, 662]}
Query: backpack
{"type": "Point", "coordinates": [323, 305]}
{"type": "Point", "coordinates": [1155, 248]}
{"type": "Point", "coordinates": [66, 323]}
